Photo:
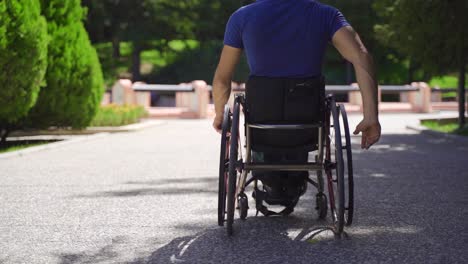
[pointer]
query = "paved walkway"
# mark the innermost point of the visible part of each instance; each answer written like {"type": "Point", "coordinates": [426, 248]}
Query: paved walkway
{"type": "Point", "coordinates": [150, 197]}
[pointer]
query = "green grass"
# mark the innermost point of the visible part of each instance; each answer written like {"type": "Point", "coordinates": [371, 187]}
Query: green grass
{"type": "Point", "coordinates": [114, 115]}
{"type": "Point", "coordinates": [447, 81]}
{"type": "Point", "coordinates": [14, 146]}
{"type": "Point", "coordinates": [450, 128]}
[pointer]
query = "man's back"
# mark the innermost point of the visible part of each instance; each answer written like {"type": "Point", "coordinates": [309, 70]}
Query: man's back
{"type": "Point", "coordinates": [284, 38]}
{"type": "Point", "coordinates": [287, 38]}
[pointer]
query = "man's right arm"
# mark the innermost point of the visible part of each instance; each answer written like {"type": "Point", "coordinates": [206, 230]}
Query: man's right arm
{"type": "Point", "coordinates": [222, 82]}
{"type": "Point", "coordinates": [350, 46]}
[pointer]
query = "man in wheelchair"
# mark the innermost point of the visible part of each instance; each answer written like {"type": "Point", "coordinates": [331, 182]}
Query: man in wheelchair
{"type": "Point", "coordinates": [285, 42]}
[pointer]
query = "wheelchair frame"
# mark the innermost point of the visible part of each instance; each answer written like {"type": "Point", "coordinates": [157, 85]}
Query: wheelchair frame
{"type": "Point", "coordinates": [341, 194]}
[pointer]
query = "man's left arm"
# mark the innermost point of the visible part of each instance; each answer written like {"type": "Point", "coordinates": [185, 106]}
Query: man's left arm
{"type": "Point", "coordinates": [222, 82]}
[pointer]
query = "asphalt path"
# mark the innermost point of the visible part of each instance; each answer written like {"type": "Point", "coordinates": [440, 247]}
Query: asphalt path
{"type": "Point", "coordinates": [150, 197]}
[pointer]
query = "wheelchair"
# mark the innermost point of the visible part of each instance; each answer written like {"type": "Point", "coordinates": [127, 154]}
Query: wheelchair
{"type": "Point", "coordinates": [286, 116]}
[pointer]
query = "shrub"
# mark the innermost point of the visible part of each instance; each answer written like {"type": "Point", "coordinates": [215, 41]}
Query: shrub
{"type": "Point", "coordinates": [23, 57]}
{"type": "Point", "coordinates": [114, 115]}
{"type": "Point", "coordinates": [74, 77]}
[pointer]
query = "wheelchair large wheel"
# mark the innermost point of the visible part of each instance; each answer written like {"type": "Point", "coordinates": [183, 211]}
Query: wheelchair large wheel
{"type": "Point", "coordinates": [334, 167]}
{"type": "Point", "coordinates": [233, 159]}
{"type": "Point", "coordinates": [223, 166]}
{"type": "Point", "coordinates": [348, 162]}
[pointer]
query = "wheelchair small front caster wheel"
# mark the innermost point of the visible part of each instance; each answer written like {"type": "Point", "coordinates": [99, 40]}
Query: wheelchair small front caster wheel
{"type": "Point", "coordinates": [321, 205]}
{"type": "Point", "coordinates": [243, 205]}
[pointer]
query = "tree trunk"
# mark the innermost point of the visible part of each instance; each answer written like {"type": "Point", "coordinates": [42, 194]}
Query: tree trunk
{"type": "Point", "coordinates": [115, 48]}
{"type": "Point", "coordinates": [136, 61]}
{"type": "Point", "coordinates": [411, 71]}
{"type": "Point", "coordinates": [349, 72]}
{"type": "Point", "coordinates": [461, 94]}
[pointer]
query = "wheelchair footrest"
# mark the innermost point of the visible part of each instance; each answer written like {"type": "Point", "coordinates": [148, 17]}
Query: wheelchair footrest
{"type": "Point", "coordinates": [261, 196]}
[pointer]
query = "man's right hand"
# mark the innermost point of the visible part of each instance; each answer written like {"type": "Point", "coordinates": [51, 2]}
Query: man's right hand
{"type": "Point", "coordinates": [370, 132]}
{"type": "Point", "coordinates": [217, 123]}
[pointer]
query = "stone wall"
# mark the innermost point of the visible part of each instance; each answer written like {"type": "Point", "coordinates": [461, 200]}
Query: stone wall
{"type": "Point", "coordinates": [195, 104]}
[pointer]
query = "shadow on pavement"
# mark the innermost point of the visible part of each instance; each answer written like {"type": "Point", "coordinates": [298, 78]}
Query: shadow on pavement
{"type": "Point", "coordinates": [105, 254]}
{"type": "Point", "coordinates": [207, 180]}
{"type": "Point", "coordinates": [411, 196]}
{"type": "Point", "coordinates": [161, 187]}
{"type": "Point", "coordinates": [149, 192]}
{"type": "Point", "coordinates": [257, 240]}
{"type": "Point", "coordinates": [275, 240]}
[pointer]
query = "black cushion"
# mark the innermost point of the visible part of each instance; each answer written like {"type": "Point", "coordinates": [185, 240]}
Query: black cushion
{"type": "Point", "coordinates": [284, 101]}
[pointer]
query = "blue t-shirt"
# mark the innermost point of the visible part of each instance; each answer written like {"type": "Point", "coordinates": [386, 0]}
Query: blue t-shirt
{"type": "Point", "coordinates": [284, 38]}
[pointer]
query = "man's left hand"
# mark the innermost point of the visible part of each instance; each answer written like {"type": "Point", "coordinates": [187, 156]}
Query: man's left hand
{"type": "Point", "coordinates": [371, 131]}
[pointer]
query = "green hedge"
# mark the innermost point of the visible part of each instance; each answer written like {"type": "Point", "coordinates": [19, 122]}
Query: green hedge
{"type": "Point", "coordinates": [114, 115]}
{"type": "Point", "coordinates": [23, 57]}
{"type": "Point", "coordinates": [74, 78]}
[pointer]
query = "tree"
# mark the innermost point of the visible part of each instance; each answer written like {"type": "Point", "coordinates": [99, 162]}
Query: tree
{"type": "Point", "coordinates": [362, 17]}
{"type": "Point", "coordinates": [213, 16]}
{"type": "Point", "coordinates": [433, 33]}
{"type": "Point", "coordinates": [206, 57]}
{"type": "Point", "coordinates": [106, 21]}
{"type": "Point", "coordinates": [74, 78]}
{"type": "Point", "coordinates": [23, 59]}
{"type": "Point", "coordinates": [142, 23]}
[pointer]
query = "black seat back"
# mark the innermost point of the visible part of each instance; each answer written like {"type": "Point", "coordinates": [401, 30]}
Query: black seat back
{"type": "Point", "coordinates": [284, 101]}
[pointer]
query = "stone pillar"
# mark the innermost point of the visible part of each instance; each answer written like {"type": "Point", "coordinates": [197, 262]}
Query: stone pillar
{"type": "Point", "coordinates": [122, 93]}
{"type": "Point", "coordinates": [420, 100]}
{"type": "Point", "coordinates": [426, 92]}
{"type": "Point", "coordinates": [183, 99]}
{"type": "Point", "coordinates": [414, 98]}
{"type": "Point", "coordinates": [106, 98]}
{"type": "Point", "coordinates": [202, 98]}
{"type": "Point", "coordinates": [354, 96]}
{"type": "Point", "coordinates": [142, 98]}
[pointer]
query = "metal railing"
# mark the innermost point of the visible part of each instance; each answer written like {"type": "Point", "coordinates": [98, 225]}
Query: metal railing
{"type": "Point", "coordinates": [164, 88]}
{"type": "Point", "coordinates": [329, 88]}
{"type": "Point", "coordinates": [349, 88]}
